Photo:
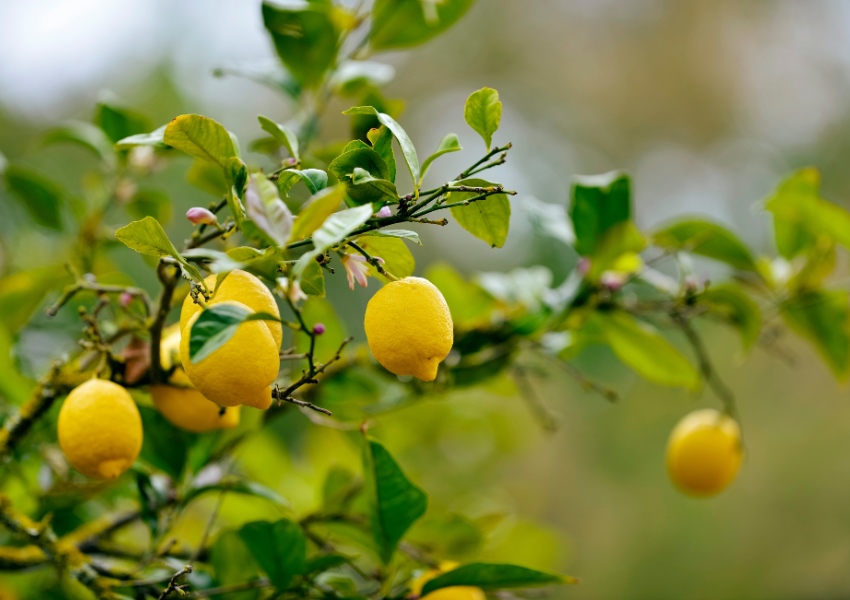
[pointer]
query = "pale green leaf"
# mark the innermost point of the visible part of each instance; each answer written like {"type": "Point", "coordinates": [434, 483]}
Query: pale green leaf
{"type": "Point", "coordinates": [488, 219]}
{"type": "Point", "coordinates": [483, 112]}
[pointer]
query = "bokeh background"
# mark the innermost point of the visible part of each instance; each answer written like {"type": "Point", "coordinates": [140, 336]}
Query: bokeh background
{"type": "Point", "coordinates": [706, 104]}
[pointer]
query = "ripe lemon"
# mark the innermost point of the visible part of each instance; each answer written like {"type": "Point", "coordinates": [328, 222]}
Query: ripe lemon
{"type": "Point", "coordinates": [409, 327]}
{"type": "Point", "coordinates": [239, 372]}
{"type": "Point", "coordinates": [458, 592]}
{"type": "Point", "coordinates": [704, 453]}
{"type": "Point", "coordinates": [179, 403]}
{"type": "Point", "coordinates": [100, 429]}
{"type": "Point", "coordinates": [239, 286]}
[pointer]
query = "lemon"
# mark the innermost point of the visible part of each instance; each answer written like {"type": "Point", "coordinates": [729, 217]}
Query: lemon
{"type": "Point", "coordinates": [704, 453]}
{"type": "Point", "coordinates": [458, 592]}
{"type": "Point", "coordinates": [185, 407]}
{"type": "Point", "coordinates": [100, 429]}
{"type": "Point", "coordinates": [239, 286]}
{"type": "Point", "coordinates": [240, 371]}
{"type": "Point", "coordinates": [409, 327]}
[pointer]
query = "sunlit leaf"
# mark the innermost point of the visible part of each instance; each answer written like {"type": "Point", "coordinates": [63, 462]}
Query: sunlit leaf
{"type": "Point", "coordinates": [200, 137]}
{"type": "Point", "coordinates": [483, 112]}
{"type": "Point", "coordinates": [382, 141]}
{"type": "Point", "coordinates": [147, 236]}
{"type": "Point", "coordinates": [448, 144]}
{"type": "Point", "coordinates": [283, 135]}
{"type": "Point", "coordinates": [155, 138]}
{"type": "Point", "coordinates": [398, 260]}
{"type": "Point", "coordinates": [335, 228]}
{"type": "Point", "coordinates": [316, 211]}
{"type": "Point", "coordinates": [488, 219]}
{"type": "Point", "coordinates": [265, 208]}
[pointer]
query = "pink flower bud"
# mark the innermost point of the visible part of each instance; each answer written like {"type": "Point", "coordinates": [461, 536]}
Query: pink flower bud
{"type": "Point", "coordinates": [612, 280]}
{"type": "Point", "coordinates": [318, 329]}
{"type": "Point", "coordinates": [583, 266]}
{"type": "Point", "coordinates": [199, 215]}
{"type": "Point", "coordinates": [125, 299]}
{"type": "Point", "coordinates": [384, 212]}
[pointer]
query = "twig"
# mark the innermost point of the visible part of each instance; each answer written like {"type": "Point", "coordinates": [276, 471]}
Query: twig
{"type": "Point", "coordinates": [488, 156]}
{"type": "Point", "coordinates": [375, 262]}
{"type": "Point", "coordinates": [169, 283]}
{"type": "Point", "coordinates": [86, 286]}
{"type": "Point", "coordinates": [227, 589]}
{"type": "Point", "coordinates": [548, 420]}
{"type": "Point", "coordinates": [172, 584]}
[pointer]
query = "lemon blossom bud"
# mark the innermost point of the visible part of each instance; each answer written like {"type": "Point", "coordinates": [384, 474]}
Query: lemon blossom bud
{"type": "Point", "coordinates": [318, 329]}
{"type": "Point", "coordinates": [199, 215]}
{"type": "Point", "coordinates": [384, 212]}
{"type": "Point", "coordinates": [125, 299]}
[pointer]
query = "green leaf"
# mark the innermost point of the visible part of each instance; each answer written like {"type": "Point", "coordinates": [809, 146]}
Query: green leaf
{"type": "Point", "coordinates": [316, 211]}
{"type": "Point", "coordinates": [268, 73]}
{"type": "Point", "coordinates": [404, 234]}
{"type": "Point", "coordinates": [165, 446]}
{"type": "Point", "coordinates": [734, 305]}
{"type": "Point", "coordinates": [801, 216]}
{"type": "Point", "coordinates": [233, 563]}
{"type": "Point", "coordinates": [394, 502]}
{"type": "Point", "coordinates": [355, 76]}
{"type": "Point", "coordinates": [492, 577]}
{"type": "Point", "coordinates": [449, 143]}
{"type": "Point", "coordinates": [335, 228]}
{"type": "Point", "coordinates": [41, 196]}
{"type": "Point", "coordinates": [382, 141]}
{"type": "Point", "coordinates": [86, 135]}
{"type": "Point", "coordinates": [643, 349]}
{"type": "Point", "coordinates": [366, 175]}
{"type": "Point", "coordinates": [398, 259]}
{"type": "Point", "coordinates": [216, 325]}
{"type": "Point", "coordinates": [239, 486]}
{"type": "Point", "coordinates": [315, 179]}
{"type": "Point", "coordinates": [447, 535]}
{"type": "Point", "coordinates": [119, 122]}
{"type": "Point", "coordinates": [483, 112]}
{"type": "Point", "coordinates": [279, 548]}
{"type": "Point", "coordinates": [22, 292]}
{"type": "Point", "coordinates": [283, 135]}
{"type": "Point", "coordinates": [548, 220]}
{"type": "Point", "coordinates": [598, 203]}
{"type": "Point", "coordinates": [313, 280]}
{"type": "Point", "coordinates": [265, 208]}
{"type": "Point", "coordinates": [371, 189]}
{"type": "Point", "coordinates": [200, 137]}
{"type": "Point", "coordinates": [150, 203]}
{"type": "Point", "coordinates": [823, 318]}
{"type": "Point", "coordinates": [147, 236]}
{"type": "Point", "coordinates": [305, 38]}
{"type": "Point", "coordinates": [404, 23]}
{"type": "Point", "coordinates": [618, 250]}
{"type": "Point", "coordinates": [487, 219]}
{"type": "Point", "coordinates": [407, 148]}
{"type": "Point", "coordinates": [708, 239]}
{"type": "Point", "coordinates": [471, 306]}
{"type": "Point", "coordinates": [208, 177]}
{"type": "Point", "coordinates": [338, 489]}
{"type": "Point", "coordinates": [155, 139]}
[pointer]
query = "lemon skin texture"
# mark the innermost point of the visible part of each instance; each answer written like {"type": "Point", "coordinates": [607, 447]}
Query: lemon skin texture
{"type": "Point", "coordinates": [100, 429]}
{"type": "Point", "coordinates": [239, 286]}
{"type": "Point", "coordinates": [450, 593]}
{"type": "Point", "coordinates": [409, 327]}
{"type": "Point", "coordinates": [704, 453]}
{"type": "Point", "coordinates": [241, 371]}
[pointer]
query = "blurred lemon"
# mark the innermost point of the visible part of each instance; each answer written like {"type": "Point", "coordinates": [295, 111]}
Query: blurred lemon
{"type": "Point", "coordinates": [704, 453]}
{"type": "Point", "coordinates": [185, 407]}
{"type": "Point", "coordinates": [409, 327]}
{"type": "Point", "coordinates": [459, 592]}
{"type": "Point", "coordinates": [240, 371]}
{"type": "Point", "coordinates": [100, 429]}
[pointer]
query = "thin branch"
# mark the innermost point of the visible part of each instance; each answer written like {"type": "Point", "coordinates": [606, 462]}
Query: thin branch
{"type": "Point", "coordinates": [86, 286]}
{"type": "Point", "coordinates": [545, 416]}
{"type": "Point", "coordinates": [173, 586]}
{"type": "Point", "coordinates": [227, 589]}
{"type": "Point", "coordinates": [169, 283]}
{"type": "Point", "coordinates": [488, 156]}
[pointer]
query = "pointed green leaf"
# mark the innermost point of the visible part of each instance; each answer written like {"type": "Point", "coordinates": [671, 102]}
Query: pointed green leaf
{"type": "Point", "coordinates": [279, 548]}
{"type": "Point", "coordinates": [407, 148]}
{"type": "Point", "coordinates": [86, 135]}
{"type": "Point", "coordinates": [233, 563]}
{"type": "Point", "coordinates": [483, 112]}
{"type": "Point", "coordinates": [317, 209]}
{"type": "Point", "coordinates": [731, 303]}
{"type": "Point", "coordinates": [707, 239]}
{"type": "Point", "coordinates": [487, 219]}
{"type": "Point", "coordinates": [213, 329]}
{"type": "Point", "coordinates": [405, 234]}
{"type": "Point", "coordinates": [598, 203]}
{"type": "Point", "coordinates": [305, 37]}
{"type": "Point", "coordinates": [155, 139]}
{"type": "Point", "coordinates": [405, 23]}
{"type": "Point", "coordinates": [450, 143]}
{"type": "Point", "coordinates": [313, 280]}
{"type": "Point", "coordinates": [493, 577]}
{"type": "Point", "coordinates": [41, 197]}
{"type": "Point", "coordinates": [382, 142]}
{"type": "Point", "coordinates": [200, 137]}
{"type": "Point", "coordinates": [398, 260]}
{"type": "Point", "coordinates": [823, 318]}
{"type": "Point", "coordinates": [282, 134]}
{"type": "Point", "coordinates": [119, 122]}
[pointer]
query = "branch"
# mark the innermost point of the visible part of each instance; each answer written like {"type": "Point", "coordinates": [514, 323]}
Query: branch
{"type": "Point", "coordinates": [474, 168]}
{"type": "Point", "coordinates": [86, 286]}
{"type": "Point", "coordinates": [169, 283]}
{"type": "Point", "coordinates": [173, 585]}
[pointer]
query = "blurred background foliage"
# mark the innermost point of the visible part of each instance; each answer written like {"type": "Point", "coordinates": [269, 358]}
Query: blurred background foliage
{"type": "Point", "coordinates": [707, 105]}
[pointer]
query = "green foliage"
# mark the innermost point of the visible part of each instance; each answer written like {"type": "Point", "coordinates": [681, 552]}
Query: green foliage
{"type": "Point", "coordinates": [202, 138]}
{"type": "Point", "coordinates": [598, 203]}
{"type": "Point", "coordinates": [147, 236]}
{"type": "Point", "coordinates": [483, 112]}
{"type": "Point", "coordinates": [407, 148]}
{"type": "Point", "coordinates": [279, 548]}
{"type": "Point", "coordinates": [42, 198]}
{"type": "Point", "coordinates": [493, 577]}
{"type": "Point", "coordinates": [404, 23]}
{"type": "Point", "coordinates": [283, 135]}
{"type": "Point", "coordinates": [708, 239]}
{"type": "Point", "coordinates": [489, 219]}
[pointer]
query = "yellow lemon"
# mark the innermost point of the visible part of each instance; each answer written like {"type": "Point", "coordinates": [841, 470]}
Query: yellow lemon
{"type": "Point", "coordinates": [239, 372]}
{"type": "Point", "coordinates": [185, 407]}
{"type": "Point", "coordinates": [100, 429]}
{"type": "Point", "coordinates": [238, 286]}
{"type": "Point", "coordinates": [409, 327]}
{"type": "Point", "coordinates": [458, 592]}
{"type": "Point", "coordinates": [704, 453]}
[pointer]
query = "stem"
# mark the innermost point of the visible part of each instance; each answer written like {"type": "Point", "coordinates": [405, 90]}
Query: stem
{"type": "Point", "coordinates": [173, 585]}
{"type": "Point", "coordinates": [169, 283]}
{"type": "Point", "coordinates": [226, 589]}
{"type": "Point", "coordinates": [473, 169]}
{"type": "Point", "coordinates": [375, 262]}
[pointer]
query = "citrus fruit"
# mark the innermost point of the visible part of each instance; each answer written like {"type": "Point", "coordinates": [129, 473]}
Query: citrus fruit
{"type": "Point", "coordinates": [458, 592]}
{"type": "Point", "coordinates": [409, 327]}
{"type": "Point", "coordinates": [100, 429]}
{"type": "Point", "coordinates": [239, 286]}
{"type": "Point", "coordinates": [182, 405]}
{"type": "Point", "coordinates": [241, 370]}
{"type": "Point", "coordinates": [704, 453]}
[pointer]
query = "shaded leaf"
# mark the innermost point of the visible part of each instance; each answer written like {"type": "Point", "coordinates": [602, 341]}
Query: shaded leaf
{"type": "Point", "coordinates": [119, 122]}
{"type": "Point", "coordinates": [305, 37]}
{"type": "Point", "coordinates": [407, 148]}
{"type": "Point", "coordinates": [735, 306]}
{"type": "Point", "coordinates": [282, 134]}
{"type": "Point", "coordinates": [233, 563]}
{"type": "Point", "coordinates": [598, 203]}
{"type": "Point", "coordinates": [164, 446]}
{"type": "Point", "coordinates": [823, 318]}
{"type": "Point", "coordinates": [279, 548]}
{"type": "Point", "coordinates": [313, 280]}
{"type": "Point", "coordinates": [491, 577]}
{"type": "Point", "coordinates": [41, 196]}
{"type": "Point", "coordinates": [382, 142]}
{"type": "Point", "coordinates": [707, 239]}
{"type": "Point", "coordinates": [86, 135]}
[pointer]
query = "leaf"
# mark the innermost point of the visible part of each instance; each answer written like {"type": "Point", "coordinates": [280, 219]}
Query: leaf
{"type": "Point", "coordinates": [314, 212]}
{"type": "Point", "coordinates": [823, 318]}
{"type": "Point", "coordinates": [150, 203]}
{"type": "Point", "coordinates": [233, 563]}
{"type": "Point", "coordinates": [483, 112]}
{"type": "Point", "coordinates": [335, 228]}
{"type": "Point", "coordinates": [404, 234]}
{"type": "Point", "coordinates": [313, 280]}
{"type": "Point", "coordinates": [267, 210]}
{"type": "Point", "coordinates": [708, 239]}
{"type": "Point", "coordinates": [147, 236]}
{"type": "Point", "coordinates": [398, 259]}
{"type": "Point", "coordinates": [404, 23]}
{"type": "Point", "coordinates": [618, 251]}
{"type": "Point", "coordinates": [165, 446]}
{"type": "Point", "coordinates": [305, 37]}
{"type": "Point", "coordinates": [735, 306]}
{"type": "Point", "coordinates": [119, 122]}
{"type": "Point", "coordinates": [354, 76]}
{"type": "Point", "coordinates": [200, 137]}
{"type": "Point", "coordinates": [339, 487]}
{"type": "Point", "coordinates": [644, 350]}
{"type": "Point", "coordinates": [598, 203]}
{"type": "Point", "coordinates": [269, 73]}
{"type": "Point", "coordinates": [216, 325]}
{"type": "Point", "coordinates": [22, 292]}
{"type": "Point", "coordinates": [370, 189]}
{"type": "Point", "coordinates": [41, 197]}
{"type": "Point", "coordinates": [208, 177]}
{"type": "Point", "coordinates": [283, 135]}
{"type": "Point", "coordinates": [366, 176]}
{"type": "Point", "coordinates": [394, 502]}
{"type": "Point", "coordinates": [549, 220]}
{"type": "Point", "coordinates": [471, 306]}
{"type": "Point", "coordinates": [449, 143]}
{"type": "Point", "coordinates": [492, 577]}
{"type": "Point", "coordinates": [382, 142]}
{"type": "Point", "coordinates": [279, 548]}
{"type": "Point", "coordinates": [245, 488]}
{"type": "Point", "coordinates": [407, 148]}
{"type": "Point", "coordinates": [447, 535]}
{"type": "Point", "coordinates": [86, 135]}
{"type": "Point", "coordinates": [487, 219]}
{"type": "Point", "coordinates": [155, 139]}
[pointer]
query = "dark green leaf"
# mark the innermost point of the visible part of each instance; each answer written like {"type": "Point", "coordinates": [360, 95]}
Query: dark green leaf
{"type": "Point", "coordinates": [304, 36]}
{"type": "Point", "coordinates": [165, 446]}
{"type": "Point", "coordinates": [706, 239]}
{"type": "Point", "coordinates": [450, 143]}
{"type": "Point", "coordinates": [282, 134]}
{"type": "Point", "coordinates": [598, 203]}
{"type": "Point", "coordinates": [313, 280]}
{"type": "Point", "coordinates": [404, 23]}
{"type": "Point", "coordinates": [233, 563]}
{"type": "Point", "coordinates": [823, 317]}
{"type": "Point", "coordinates": [265, 208]}
{"type": "Point", "coordinates": [86, 135]}
{"type": "Point", "coordinates": [492, 577]}
{"type": "Point", "coordinates": [488, 219]}
{"type": "Point", "coordinates": [119, 122]}
{"type": "Point", "coordinates": [214, 328]}
{"type": "Point", "coordinates": [366, 176]}
{"type": "Point", "coordinates": [382, 141]}
{"type": "Point", "coordinates": [407, 148]}
{"type": "Point", "coordinates": [734, 305]}
{"type": "Point", "coordinates": [483, 112]}
{"type": "Point", "coordinates": [395, 503]}
{"type": "Point", "coordinates": [200, 137]}
{"type": "Point", "coordinates": [279, 548]}
{"type": "Point", "coordinates": [40, 196]}
{"type": "Point", "coordinates": [370, 189]}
